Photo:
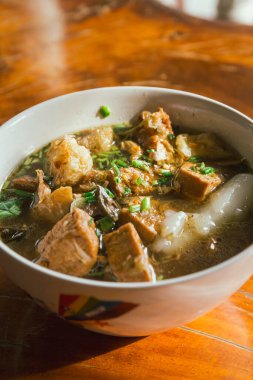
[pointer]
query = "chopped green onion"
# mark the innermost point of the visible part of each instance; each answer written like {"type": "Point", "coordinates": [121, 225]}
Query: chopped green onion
{"type": "Point", "coordinates": [194, 159]}
{"type": "Point", "coordinates": [90, 221]}
{"type": "Point", "coordinates": [116, 169]}
{"type": "Point", "coordinates": [151, 150]}
{"type": "Point", "coordinates": [106, 224]}
{"type": "Point", "coordinates": [105, 160]}
{"type": "Point", "coordinates": [96, 274]}
{"type": "Point", "coordinates": [123, 129]}
{"type": "Point", "coordinates": [127, 191]}
{"type": "Point", "coordinates": [134, 208]}
{"type": "Point", "coordinates": [140, 165]}
{"type": "Point", "coordinates": [121, 163]}
{"type": "Point", "coordinates": [171, 136]}
{"type": "Point", "coordinates": [207, 170]}
{"type": "Point", "coordinates": [90, 196]}
{"type": "Point", "coordinates": [203, 169]}
{"type": "Point", "coordinates": [117, 179]}
{"type": "Point", "coordinates": [109, 192]}
{"type": "Point", "coordinates": [104, 111]}
{"type": "Point", "coordinates": [139, 181]}
{"type": "Point", "coordinates": [162, 181]}
{"type": "Point", "coordinates": [165, 173]}
{"type": "Point", "coordinates": [145, 204]}
{"type": "Point", "coordinates": [119, 127]}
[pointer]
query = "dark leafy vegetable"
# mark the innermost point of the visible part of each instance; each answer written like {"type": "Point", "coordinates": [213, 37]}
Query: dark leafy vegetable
{"type": "Point", "coordinates": [20, 193]}
{"type": "Point", "coordinates": [11, 202]}
{"type": "Point", "coordinates": [10, 208]}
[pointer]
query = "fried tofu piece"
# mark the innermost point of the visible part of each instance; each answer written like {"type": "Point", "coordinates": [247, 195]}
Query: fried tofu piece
{"type": "Point", "coordinates": [205, 145]}
{"type": "Point", "coordinates": [154, 124]}
{"type": "Point", "coordinates": [93, 178]}
{"type": "Point", "coordinates": [153, 133]}
{"type": "Point", "coordinates": [195, 185]}
{"type": "Point", "coordinates": [67, 161]}
{"type": "Point", "coordinates": [97, 140]}
{"type": "Point", "coordinates": [51, 206]}
{"type": "Point", "coordinates": [126, 255]}
{"type": "Point", "coordinates": [71, 247]}
{"type": "Point", "coordinates": [142, 224]}
{"type": "Point", "coordinates": [133, 149]}
{"type": "Point", "coordinates": [26, 183]}
{"type": "Point", "coordinates": [132, 181]}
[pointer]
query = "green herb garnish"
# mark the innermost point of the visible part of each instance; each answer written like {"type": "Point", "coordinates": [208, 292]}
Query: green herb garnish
{"type": "Point", "coordinates": [134, 208]}
{"type": "Point", "coordinates": [96, 274]}
{"type": "Point", "coordinates": [109, 192]}
{"type": "Point", "coordinates": [117, 179]}
{"type": "Point", "coordinates": [127, 191]}
{"type": "Point", "coordinates": [90, 221]}
{"type": "Point", "coordinates": [145, 204]}
{"type": "Point", "coordinates": [123, 129]}
{"type": "Point", "coordinates": [171, 136]}
{"type": "Point", "coordinates": [120, 163]}
{"type": "Point", "coordinates": [104, 111]}
{"type": "Point", "coordinates": [139, 181]}
{"type": "Point", "coordinates": [90, 196]}
{"type": "Point", "coordinates": [194, 159]}
{"type": "Point", "coordinates": [151, 150]}
{"type": "Point", "coordinates": [10, 208]}
{"type": "Point", "coordinates": [105, 160]}
{"type": "Point", "coordinates": [116, 169]}
{"type": "Point", "coordinates": [106, 224]}
{"type": "Point", "coordinates": [165, 173]}
{"type": "Point", "coordinates": [207, 170]}
{"type": "Point", "coordinates": [165, 181]}
{"type": "Point", "coordinates": [143, 165]}
{"type": "Point", "coordinates": [19, 193]}
{"type": "Point", "coordinates": [203, 169]}
{"type": "Point", "coordinates": [33, 161]}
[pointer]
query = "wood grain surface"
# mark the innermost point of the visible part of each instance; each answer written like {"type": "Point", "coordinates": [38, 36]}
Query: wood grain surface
{"type": "Point", "coordinates": [52, 47]}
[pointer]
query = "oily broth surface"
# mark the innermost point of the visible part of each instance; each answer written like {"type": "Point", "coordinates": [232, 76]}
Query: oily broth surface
{"type": "Point", "coordinates": [224, 243]}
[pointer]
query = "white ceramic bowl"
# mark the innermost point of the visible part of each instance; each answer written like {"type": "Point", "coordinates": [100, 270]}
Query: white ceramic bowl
{"type": "Point", "coordinates": [124, 309]}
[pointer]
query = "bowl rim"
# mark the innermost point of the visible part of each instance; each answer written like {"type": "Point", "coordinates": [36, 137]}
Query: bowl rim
{"type": "Point", "coordinates": [124, 285]}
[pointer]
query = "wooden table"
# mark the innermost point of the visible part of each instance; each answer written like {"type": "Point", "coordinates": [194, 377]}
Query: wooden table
{"type": "Point", "coordinates": [51, 47]}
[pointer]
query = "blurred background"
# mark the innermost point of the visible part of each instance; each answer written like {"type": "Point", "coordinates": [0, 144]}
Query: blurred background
{"type": "Point", "coordinates": [240, 11]}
